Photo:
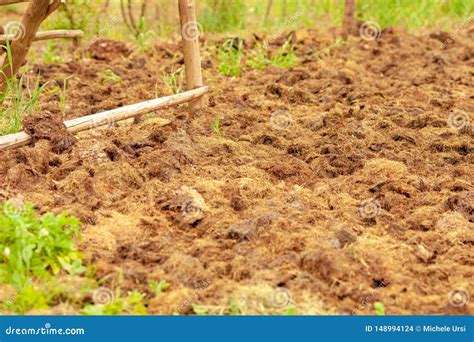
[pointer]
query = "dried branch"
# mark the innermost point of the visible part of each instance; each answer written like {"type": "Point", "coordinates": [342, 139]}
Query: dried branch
{"type": "Point", "coordinates": [46, 35]}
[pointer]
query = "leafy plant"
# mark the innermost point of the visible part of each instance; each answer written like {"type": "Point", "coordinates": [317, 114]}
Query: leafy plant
{"type": "Point", "coordinates": [216, 126]}
{"type": "Point", "coordinates": [143, 35]}
{"type": "Point", "coordinates": [174, 80]}
{"type": "Point", "coordinates": [35, 247]}
{"type": "Point", "coordinates": [229, 56]}
{"type": "Point", "coordinates": [284, 58]}
{"type": "Point", "coordinates": [379, 308]}
{"type": "Point", "coordinates": [200, 310]}
{"type": "Point", "coordinates": [159, 287]}
{"type": "Point", "coordinates": [108, 76]}
{"type": "Point", "coordinates": [130, 304]}
{"type": "Point", "coordinates": [51, 54]}
{"type": "Point", "coordinates": [234, 307]}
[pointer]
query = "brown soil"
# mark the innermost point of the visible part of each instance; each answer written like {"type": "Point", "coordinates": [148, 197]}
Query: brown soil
{"type": "Point", "coordinates": [340, 182]}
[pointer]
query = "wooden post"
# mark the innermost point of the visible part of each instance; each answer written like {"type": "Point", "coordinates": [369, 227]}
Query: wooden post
{"type": "Point", "coordinates": [349, 25]}
{"type": "Point", "coordinates": [37, 12]}
{"type": "Point", "coordinates": [192, 57]}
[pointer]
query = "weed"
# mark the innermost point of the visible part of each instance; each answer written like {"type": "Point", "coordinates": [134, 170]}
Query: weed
{"type": "Point", "coordinates": [379, 308]}
{"type": "Point", "coordinates": [143, 35]}
{"type": "Point", "coordinates": [61, 91]}
{"type": "Point", "coordinates": [19, 99]}
{"type": "Point", "coordinates": [132, 304]}
{"type": "Point", "coordinates": [159, 287]}
{"type": "Point", "coordinates": [229, 56]}
{"type": "Point", "coordinates": [174, 80]}
{"type": "Point", "coordinates": [216, 126]}
{"type": "Point", "coordinates": [234, 307]}
{"type": "Point", "coordinates": [284, 58]}
{"type": "Point", "coordinates": [200, 310]}
{"type": "Point", "coordinates": [108, 76]}
{"type": "Point", "coordinates": [328, 50]}
{"type": "Point", "coordinates": [36, 247]}
{"type": "Point", "coordinates": [51, 54]}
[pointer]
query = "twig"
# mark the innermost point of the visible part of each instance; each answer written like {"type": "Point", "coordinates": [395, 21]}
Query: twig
{"type": "Point", "coordinates": [45, 35]}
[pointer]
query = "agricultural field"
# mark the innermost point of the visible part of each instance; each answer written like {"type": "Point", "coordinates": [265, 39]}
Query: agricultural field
{"type": "Point", "coordinates": [328, 171]}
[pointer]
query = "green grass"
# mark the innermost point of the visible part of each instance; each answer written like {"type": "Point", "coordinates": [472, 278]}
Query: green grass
{"type": "Point", "coordinates": [216, 126]}
{"type": "Point", "coordinates": [108, 76]}
{"type": "Point", "coordinates": [159, 287]}
{"type": "Point", "coordinates": [36, 247]}
{"type": "Point", "coordinates": [131, 304]}
{"type": "Point", "coordinates": [379, 308]}
{"type": "Point", "coordinates": [233, 16]}
{"type": "Point", "coordinates": [174, 80]}
{"type": "Point", "coordinates": [19, 99]}
{"type": "Point", "coordinates": [229, 56]}
{"type": "Point", "coordinates": [284, 58]}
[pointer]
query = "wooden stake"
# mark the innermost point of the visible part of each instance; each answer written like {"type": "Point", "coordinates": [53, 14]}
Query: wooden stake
{"type": "Point", "coordinates": [192, 57]}
{"type": "Point", "coordinates": [45, 35]}
{"type": "Point", "coordinates": [11, 2]}
{"type": "Point", "coordinates": [109, 117]}
{"type": "Point", "coordinates": [349, 26]}
{"type": "Point", "coordinates": [37, 12]}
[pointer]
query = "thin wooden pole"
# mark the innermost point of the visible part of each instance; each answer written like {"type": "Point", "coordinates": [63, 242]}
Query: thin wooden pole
{"type": "Point", "coordinates": [109, 117]}
{"type": "Point", "coordinates": [192, 57]}
{"type": "Point", "coordinates": [36, 13]}
{"type": "Point", "coordinates": [51, 34]}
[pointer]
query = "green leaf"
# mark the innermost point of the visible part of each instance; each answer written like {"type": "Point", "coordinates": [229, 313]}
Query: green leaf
{"type": "Point", "coordinates": [379, 308]}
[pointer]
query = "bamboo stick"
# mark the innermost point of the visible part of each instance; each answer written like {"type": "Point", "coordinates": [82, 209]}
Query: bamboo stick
{"type": "Point", "coordinates": [111, 116]}
{"type": "Point", "coordinates": [192, 57]}
{"type": "Point", "coordinates": [45, 35]}
{"type": "Point", "coordinates": [36, 13]}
